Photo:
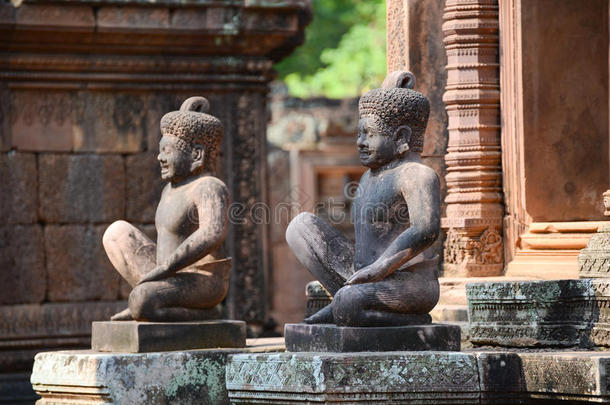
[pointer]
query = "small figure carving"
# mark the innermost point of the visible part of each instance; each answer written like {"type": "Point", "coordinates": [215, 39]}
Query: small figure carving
{"type": "Point", "coordinates": [386, 277]}
{"type": "Point", "coordinates": [186, 273]}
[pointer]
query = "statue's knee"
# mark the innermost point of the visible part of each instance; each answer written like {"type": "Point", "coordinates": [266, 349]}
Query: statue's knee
{"type": "Point", "coordinates": [114, 231]}
{"type": "Point", "coordinates": [142, 303]}
{"type": "Point", "coordinates": [298, 226]}
{"type": "Point", "coordinates": [348, 303]}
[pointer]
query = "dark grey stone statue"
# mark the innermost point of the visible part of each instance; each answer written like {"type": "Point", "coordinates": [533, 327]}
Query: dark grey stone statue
{"type": "Point", "coordinates": [386, 278]}
{"type": "Point", "coordinates": [185, 274]}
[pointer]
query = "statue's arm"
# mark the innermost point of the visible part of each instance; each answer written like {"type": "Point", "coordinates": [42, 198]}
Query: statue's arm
{"type": "Point", "coordinates": [421, 190]}
{"type": "Point", "coordinates": [212, 202]}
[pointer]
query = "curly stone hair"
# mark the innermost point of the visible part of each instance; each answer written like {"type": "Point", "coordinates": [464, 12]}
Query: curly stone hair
{"type": "Point", "coordinates": [192, 126]}
{"type": "Point", "coordinates": [396, 104]}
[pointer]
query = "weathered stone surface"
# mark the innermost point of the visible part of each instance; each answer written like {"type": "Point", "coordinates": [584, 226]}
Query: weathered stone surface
{"type": "Point", "coordinates": [5, 118]}
{"type": "Point", "coordinates": [81, 188]}
{"type": "Point", "coordinates": [77, 268]}
{"type": "Point", "coordinates": [109, 122]}
{"type": "Point", "coordinates": [330, 338]}
{"type": "Point", "coordinates": [550, 313]}
{"type": "Point", "coordinates": [411, 377]}
{"type": "Point", "coordinates": [141, 337]}
{"type": "Point", "coordinates": [144, 187]}
{"type": "Point", "coordinates": [21, 262]}
{"type": "Point", "coordinates": [18, 188]}
{"type": "Point", "coordinates": [41, 120]}
{"type": "Point", "coordinates": [512, 377]}
{"type": "Point", "coordinates": [594, 260]}
{"type": "Point", "coordinates": [180, 377]}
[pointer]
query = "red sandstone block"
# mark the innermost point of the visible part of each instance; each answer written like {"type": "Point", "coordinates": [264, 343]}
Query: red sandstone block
{"type": "Point", "coordinates": [55, 16]}
{"type": "Point", "coordinates": [5, 119]}
{"type": "Point", "coordinates": [121, 17]}
{"type": "Point", "coordinates": [41, 120]}
{"type": "Point", "coordinates": [109, 122]}
{"type": "Point", "coordinates": [144, 186]}
{"type": "Point", "coordinates": [18, 186]}
{"type": "Point", "coordinates": [81, 188]}
{"type": "Point", "coordinates": [22, 272]}
{"type": "Point", "coordinates": [77, 266]}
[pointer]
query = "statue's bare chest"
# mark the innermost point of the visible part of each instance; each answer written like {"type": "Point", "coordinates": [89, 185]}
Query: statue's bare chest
{"type": "Point", "coordinates": [380, 205]}
{"type": "Point", "coordinates": [176, 214]}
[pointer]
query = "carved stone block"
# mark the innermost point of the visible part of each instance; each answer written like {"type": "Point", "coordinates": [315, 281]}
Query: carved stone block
{"type": "Point", "coordinates": [18, 188]}
{"type": "Point", "coordinates": [77, 267]}
{"type": "Point", "coordinates": [141, 337]}
{"type": "Point", "coordinates": [21, 261]}
{"type": "Point", "coordinates": [317, 297]}
{"type": "Point", "coordinates": [81, 188]}
{"type": "Point", "coordinates": [554, 313]}
{"type": "Point", "coordinates": [408, 377]}
{"type": "Point", "coordinates": [301, 337]}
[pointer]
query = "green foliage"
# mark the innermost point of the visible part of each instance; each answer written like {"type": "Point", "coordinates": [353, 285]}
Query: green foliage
{"type": "Point", "coordinates": [344, 51]}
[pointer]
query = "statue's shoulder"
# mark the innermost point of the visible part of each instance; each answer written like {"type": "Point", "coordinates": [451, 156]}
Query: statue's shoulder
{"type": "Point", "coordinates": [211, 184]}
{"type": "Point", "coordinates": [417, 171]}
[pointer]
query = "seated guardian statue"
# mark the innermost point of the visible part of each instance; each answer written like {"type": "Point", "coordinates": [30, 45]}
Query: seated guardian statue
{"type": "Point", "coordinates": [186, 273]}
{"type": "Point", "coordinates": [385, 278]}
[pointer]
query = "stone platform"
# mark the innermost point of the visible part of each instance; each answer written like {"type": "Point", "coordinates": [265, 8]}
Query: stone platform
{"type": "Point", "coordinates": [551, 313]}
{"type": "Point", "coordinates": [141, 337]}
{"type": "Point", "coordinates": [302, 337]}
{"type": "Point", "coordinates": [472, 377]}
{"type": "Point", "coordinates": [85, 377]}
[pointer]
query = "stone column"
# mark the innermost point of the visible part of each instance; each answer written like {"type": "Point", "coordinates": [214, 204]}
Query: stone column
{"type": "Point", "coordinates": [474, 178]}
{"type": "Point", "coordinates": [83, 85]}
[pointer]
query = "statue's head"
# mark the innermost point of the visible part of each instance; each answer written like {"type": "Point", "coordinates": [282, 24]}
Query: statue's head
{"type": "Point", "coordinates": [191, 141]}
{"type": "Point", "coordinates": [392, 120]}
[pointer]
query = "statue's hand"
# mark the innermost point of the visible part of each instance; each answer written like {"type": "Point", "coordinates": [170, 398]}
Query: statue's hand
{"type": "Point", "coordinates": [368, 274]}
{"type": "Point", "coordinates": [157, 273]}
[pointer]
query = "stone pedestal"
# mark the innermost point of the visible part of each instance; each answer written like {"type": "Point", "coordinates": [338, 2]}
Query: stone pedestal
{"type": "Point", "coordinates": [301, 337]}
{"type": "Point", "coordinates": [85, 377]}
{"type": "Point", "coordinates": [474, 377]}
{"type": "Point", "coordinates": [553, 313]}
{"type": "Point", "coordinates": [141, 337]}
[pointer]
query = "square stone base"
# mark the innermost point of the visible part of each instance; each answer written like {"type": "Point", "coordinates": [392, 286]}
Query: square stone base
{"type": "Point", "coordinates": [84, 377]}
{"type": "Point", "coordinates": [141, 337]}
{"type": "Point", "coordinates": [302, 337]}
{"type": "Point", "coordinates": [471, 377]}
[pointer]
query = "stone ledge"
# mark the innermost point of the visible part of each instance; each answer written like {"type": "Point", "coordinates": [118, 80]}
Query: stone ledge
{"type": "Point", "coordinates": [141, 337]}
{"type": "Point", "coordinates": [85, 377]}
{"type": "Point", "coordinates": [479, 377]}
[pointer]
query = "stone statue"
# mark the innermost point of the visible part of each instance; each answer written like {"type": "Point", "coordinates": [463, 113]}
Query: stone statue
{"type": "Point", "coordinates": [186, 273]}
{"type": "Point", "coordinates": [386, 278]}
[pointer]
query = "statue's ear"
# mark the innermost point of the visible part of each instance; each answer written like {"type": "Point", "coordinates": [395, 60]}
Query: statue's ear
{"type": "Point", "coordinates": [198, 155]}
{"type": "Point", "coordinates": [403, 134]}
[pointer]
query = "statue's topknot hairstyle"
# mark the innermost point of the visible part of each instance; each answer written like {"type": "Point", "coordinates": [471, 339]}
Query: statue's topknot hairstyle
{"type": "Point", "coordinates": [192, 126]}
{"type": "Point", "coordinates": [396, 104]}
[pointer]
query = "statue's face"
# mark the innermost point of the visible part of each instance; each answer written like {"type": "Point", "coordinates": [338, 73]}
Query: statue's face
{"type": "Point", "coordinates": [376, 148]}
{"type": "Point", "coordinates": [175, 163]}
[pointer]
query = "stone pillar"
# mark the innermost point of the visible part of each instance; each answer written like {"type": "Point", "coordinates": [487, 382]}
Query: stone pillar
{"type": "Point", "coordinates": [415, 43]}
{"type": "Point", "coordinates": [554, 79]}
{"type": "Point", "coordinates": [474, 179]}
{"type": "Point", "coordinates": [83, 85]}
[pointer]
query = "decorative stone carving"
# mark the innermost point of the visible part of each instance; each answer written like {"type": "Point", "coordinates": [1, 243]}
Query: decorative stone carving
{"type": "Point", "coordinates": [474, 178]}
{"type": "Point", "coordinates": [553, 313]}
{"type": "Point", "coordinates": [386, 278]}
{"type": "Point", "coordinates": [594, 260]}
{"type": "Point", "coordinates": [185, 274]}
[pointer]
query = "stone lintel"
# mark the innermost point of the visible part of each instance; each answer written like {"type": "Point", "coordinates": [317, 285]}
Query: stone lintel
{"type": "Point", "coordinates": [481, 377]}
{"type": "Point", "coordinates": [302, 337]}
{"type": "Point", "coordinates": [141, 337]}
{"type": "Point", "coordinates": [179, 377]}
